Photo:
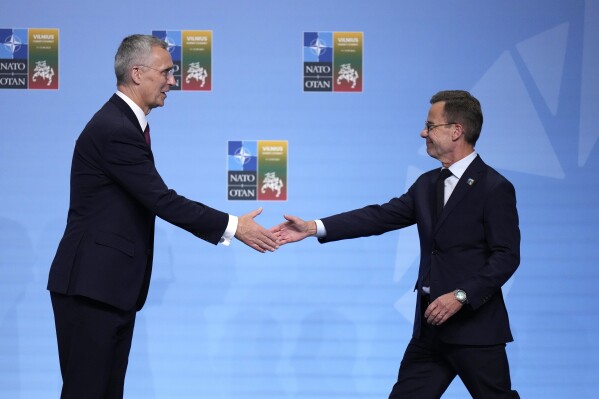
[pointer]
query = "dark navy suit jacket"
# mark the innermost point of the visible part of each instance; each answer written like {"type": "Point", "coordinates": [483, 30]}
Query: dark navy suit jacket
{"type": "Point", "coordinates": [116, 193]}
{"type": "Point", "coordinates": [475, 246]}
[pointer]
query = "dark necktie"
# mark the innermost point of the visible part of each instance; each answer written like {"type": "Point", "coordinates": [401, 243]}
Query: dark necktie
{"type": "Point", "coordinates": [147, 135]}
{"type": "Point", "coordinates": [440, 197]}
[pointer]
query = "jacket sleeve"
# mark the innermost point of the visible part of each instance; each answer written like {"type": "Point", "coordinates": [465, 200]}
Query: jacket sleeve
{"type": "Point", "coordinates": [371, 220]}
{"type": "Point", "coordinates": [129, 162]}
{"type": "Point", "coordinates": [502, 233]}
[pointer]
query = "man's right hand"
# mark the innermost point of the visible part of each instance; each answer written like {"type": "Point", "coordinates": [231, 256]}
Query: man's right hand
{"type": "Point", "coordinates": [294, 229]}
{"type": "Point", "coordinates": [253, 235]}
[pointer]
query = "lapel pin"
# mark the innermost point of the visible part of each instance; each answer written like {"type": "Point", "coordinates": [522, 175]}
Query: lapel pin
{"type": "Point", "coordinates": [470, 182]}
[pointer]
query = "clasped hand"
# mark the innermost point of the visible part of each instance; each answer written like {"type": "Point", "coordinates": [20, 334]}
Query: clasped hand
{"type": "Point", "coordinates": [294, 229]}
{"type": "Point", "coordinates": [255, 236]}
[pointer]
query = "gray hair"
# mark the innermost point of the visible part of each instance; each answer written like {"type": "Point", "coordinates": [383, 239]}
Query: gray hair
{"type": "Point", "coordinates": [134, 50]}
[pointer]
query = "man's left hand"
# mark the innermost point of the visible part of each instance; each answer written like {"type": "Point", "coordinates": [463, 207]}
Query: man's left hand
{"type": "Point", "coordinates": [441, 309]}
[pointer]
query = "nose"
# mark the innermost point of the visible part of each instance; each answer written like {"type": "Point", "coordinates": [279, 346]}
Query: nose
{"type": "Point", "coordinates": [171, 80]}
{"type": "Point", "coordinates": [424, 133]}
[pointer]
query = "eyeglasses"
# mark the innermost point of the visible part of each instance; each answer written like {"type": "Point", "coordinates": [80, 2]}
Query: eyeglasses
{"type": "Point", "coordinates": [430, 126]}
{"type": "Point", "coordinates": [167, 73]}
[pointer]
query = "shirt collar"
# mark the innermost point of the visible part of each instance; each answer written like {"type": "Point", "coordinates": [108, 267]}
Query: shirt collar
{"type": "Point", "coordinates": [458, 168]}
{"type": "Point", "coordinates": [141, 116]}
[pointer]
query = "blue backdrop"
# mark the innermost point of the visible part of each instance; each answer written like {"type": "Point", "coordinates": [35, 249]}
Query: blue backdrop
{"type": "Point", "coordinates": [311, 320]}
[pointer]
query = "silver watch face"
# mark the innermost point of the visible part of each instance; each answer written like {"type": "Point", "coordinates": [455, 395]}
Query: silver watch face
{"type": "Point", "coordinates": [460, 296]}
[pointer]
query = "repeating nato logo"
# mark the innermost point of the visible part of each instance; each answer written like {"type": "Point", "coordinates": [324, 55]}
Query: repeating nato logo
{"type": "Point", "coordinates": [191, 51]}
{"type": "Point", "coordinates": [257, 170]}
{"type": "Point", "coordinates": [29, 59]}
{"type": "Point", "coordinates": [333, 61]}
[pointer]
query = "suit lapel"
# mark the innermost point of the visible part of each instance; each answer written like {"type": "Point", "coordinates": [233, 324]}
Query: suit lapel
{"type": "Point", "coordinates": [471, 177]}
{"type": "Point", "coordinates": [433, 197]}
{"type": "Point", "coordinates": [127, 111]}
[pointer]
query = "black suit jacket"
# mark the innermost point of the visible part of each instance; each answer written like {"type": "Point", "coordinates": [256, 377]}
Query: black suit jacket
{"type": "Point", "coordinates": [116, 193]}
{"type": "Point", "coordinates": [475, 246]}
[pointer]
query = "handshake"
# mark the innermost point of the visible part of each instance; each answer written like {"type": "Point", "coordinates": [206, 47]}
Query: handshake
{"type": "Point", "coordinates": [257, 237]}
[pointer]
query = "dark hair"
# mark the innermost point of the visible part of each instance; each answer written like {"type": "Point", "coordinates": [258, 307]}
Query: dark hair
{"type": "Point", "coordinates": [463, 108]}
{"type": "Point", "coordinates": [134, 50]}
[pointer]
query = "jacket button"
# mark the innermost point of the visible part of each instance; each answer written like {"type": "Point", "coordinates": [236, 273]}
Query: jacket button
{"type": "Point", "coordinates": [434, 252]}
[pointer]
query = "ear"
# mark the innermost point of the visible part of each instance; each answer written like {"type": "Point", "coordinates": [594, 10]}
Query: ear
{"type": "Point", "coordinates": [135, 75]}
{"type": "Point", "coordinates": [457, 132]}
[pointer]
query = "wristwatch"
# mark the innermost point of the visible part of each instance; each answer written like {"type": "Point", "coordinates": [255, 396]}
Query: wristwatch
{"type": "Point", "coordinates": [461, 296]}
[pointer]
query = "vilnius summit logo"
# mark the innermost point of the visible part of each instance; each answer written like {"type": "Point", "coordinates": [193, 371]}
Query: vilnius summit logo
{"type": "Point", "coordinates": [191, 52]}
{"type": "Point", "coordinates": [333, 61]}
{"type": "Point", "coordinates": [257, 170]}
{"type": "Point", "coordinates": [29, 59]}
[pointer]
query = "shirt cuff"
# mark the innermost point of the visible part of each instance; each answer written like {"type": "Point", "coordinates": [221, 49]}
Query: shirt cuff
{"type": "Point", "coordinates": [320, 230]}
{"type": "Point", "coordinates": [230, 230]}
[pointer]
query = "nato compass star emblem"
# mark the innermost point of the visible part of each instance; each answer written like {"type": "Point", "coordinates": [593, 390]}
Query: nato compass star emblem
{"type": "Point", "coordinates": [170, 44]}
{"type": "Point", "coordinates": [318, 47]}
{"type": "Point", "coordinates": [242, 155]}
{"type": "Point", "coordinates": [13, 43]}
